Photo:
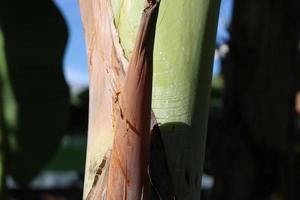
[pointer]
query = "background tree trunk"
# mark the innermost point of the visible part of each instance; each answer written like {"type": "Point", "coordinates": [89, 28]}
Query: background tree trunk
{"type": "Point", "coordinates": [261, 80]}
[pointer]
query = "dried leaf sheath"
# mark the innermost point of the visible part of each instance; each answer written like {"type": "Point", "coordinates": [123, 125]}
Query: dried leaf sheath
{"type": "Point", "coordinates": [106, 65]}
{"type": "Point", "coordinates": [124, 112]}
{"type": "Point", "coordinates": [130, 154]}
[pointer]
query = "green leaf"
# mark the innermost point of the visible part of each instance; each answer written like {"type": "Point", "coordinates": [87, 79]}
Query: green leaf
{"type": "Point", "coordinates": [34, 94]}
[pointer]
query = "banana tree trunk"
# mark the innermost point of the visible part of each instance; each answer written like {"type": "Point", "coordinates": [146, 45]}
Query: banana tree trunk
{"type": "Point", "coordinates": [183, 53]}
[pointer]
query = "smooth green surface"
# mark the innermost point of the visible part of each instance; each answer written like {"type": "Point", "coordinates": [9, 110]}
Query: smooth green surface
{"type": "Point", "coordinates": [183, 54]}
{"type": "Point", "coordinates": [127, 19]}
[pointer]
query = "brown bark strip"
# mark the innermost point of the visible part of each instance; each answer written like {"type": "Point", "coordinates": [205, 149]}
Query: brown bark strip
{"type": "Point", "coordinates": [161, 185]}
{"type": "Point", "coordinates": [122, 105]}
{"type": "Point", "coordinates": [130, 155]}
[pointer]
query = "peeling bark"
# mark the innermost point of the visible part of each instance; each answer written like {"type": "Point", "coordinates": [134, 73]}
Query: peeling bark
{"type": "Point", "coordinates": [98, 189]}
{"type": "Point", "coordinates": [107, 66]}
{"type": "Point", "coordinates": [125, 103]}
{"type": "Point", "coordinates": [129, 162]}
{"type": "Point", "coordinates": [182, 75]}
{"type": "Point", "coordinates": [159, 182]}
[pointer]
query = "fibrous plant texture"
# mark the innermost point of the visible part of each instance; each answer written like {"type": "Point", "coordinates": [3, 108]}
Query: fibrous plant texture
{"type": "Point", "coordinates": [120, 95]}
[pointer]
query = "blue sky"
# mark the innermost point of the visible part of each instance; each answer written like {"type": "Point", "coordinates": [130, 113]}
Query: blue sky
{"type": "Point", "coordinates": [224, 21]}
{"type": "Point", "coordinates": [222, 30]}
{"type": "Point", "coordinates": [75, 61]}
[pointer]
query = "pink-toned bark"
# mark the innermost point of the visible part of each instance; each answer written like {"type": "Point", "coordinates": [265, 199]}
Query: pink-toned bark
{"type": "Point", "coordinates": [120, 102]}
{"type": "Point", "coordinates": [130, 154]}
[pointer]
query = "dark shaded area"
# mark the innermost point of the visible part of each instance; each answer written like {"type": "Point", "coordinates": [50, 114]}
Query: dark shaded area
{"type": "Point", "coordinates": [79, 113]}
{"type": "Point", "coordinates": [35, 38]}
{"type": "Point", "coordinates": [175, 142]}
{"type": "Point", "coordinates": [55, 194]}
{"type": "Point", "coordinates": [252, 137]}
{"type": "Point", "coordinates": [159, 171]}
